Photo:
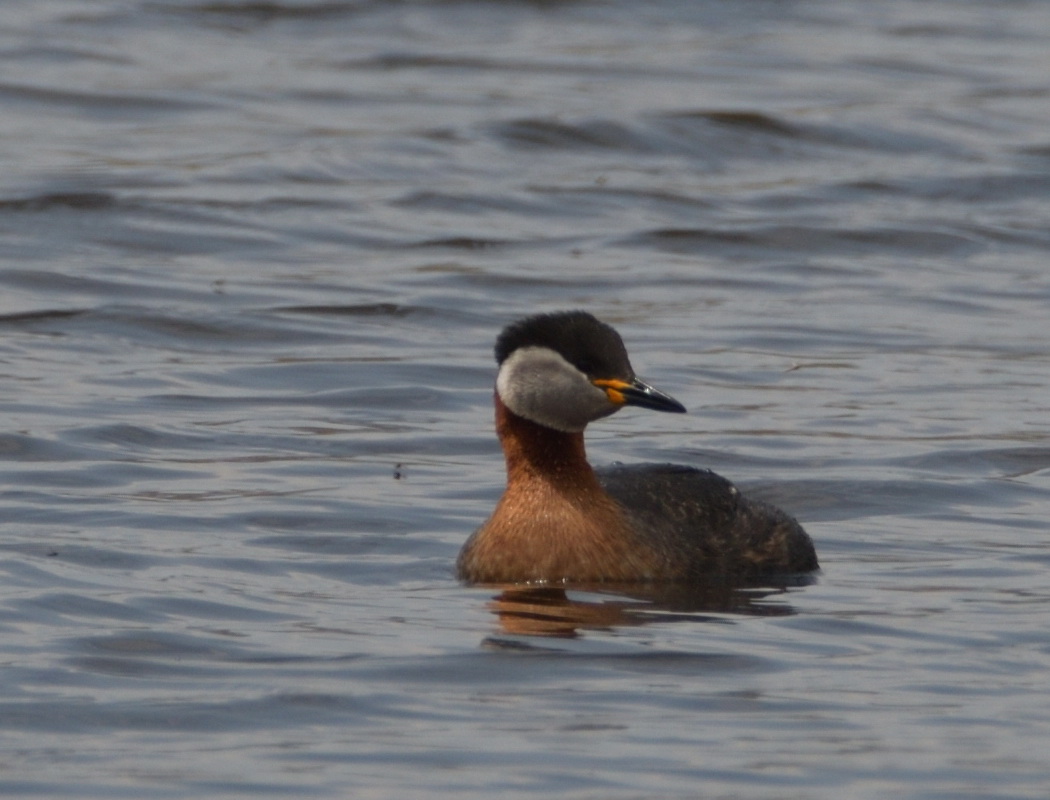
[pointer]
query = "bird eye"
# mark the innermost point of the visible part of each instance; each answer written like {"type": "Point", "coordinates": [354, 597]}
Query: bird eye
{"type": "Point", "coordinates": [586, 367]}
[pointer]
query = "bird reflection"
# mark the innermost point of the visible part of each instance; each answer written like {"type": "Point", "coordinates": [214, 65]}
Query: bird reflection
{"type": "Point", "coordinates": [567, 611]}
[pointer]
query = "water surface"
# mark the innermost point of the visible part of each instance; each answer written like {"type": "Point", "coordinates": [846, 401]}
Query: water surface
{"type": "Point", "coordinates": [255, 256]}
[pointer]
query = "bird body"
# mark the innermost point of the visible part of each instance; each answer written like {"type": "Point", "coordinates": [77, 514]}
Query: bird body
{"type": "Point", "coordinates": [561, 521]}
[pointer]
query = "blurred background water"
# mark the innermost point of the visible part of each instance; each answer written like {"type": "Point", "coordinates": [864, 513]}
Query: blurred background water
{"type": "Point", "coordinates": [254, 258]}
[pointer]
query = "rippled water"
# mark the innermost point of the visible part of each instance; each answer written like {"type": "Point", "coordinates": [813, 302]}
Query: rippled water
{"type": "Point", "coordinates": [254, 258]}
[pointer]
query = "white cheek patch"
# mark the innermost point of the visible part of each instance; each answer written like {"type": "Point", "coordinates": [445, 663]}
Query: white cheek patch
{"type": "Point", "coordinates": [538, 384]}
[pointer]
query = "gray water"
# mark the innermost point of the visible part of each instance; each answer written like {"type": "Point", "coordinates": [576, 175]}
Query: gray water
{"type": "Point", "coordinates": [254, 256]}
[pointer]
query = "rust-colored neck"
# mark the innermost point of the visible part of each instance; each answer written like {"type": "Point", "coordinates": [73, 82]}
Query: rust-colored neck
{"type": "Point", "coordinates": [536, 452]}
{"type": "Point", "coordinates": [554, 522]}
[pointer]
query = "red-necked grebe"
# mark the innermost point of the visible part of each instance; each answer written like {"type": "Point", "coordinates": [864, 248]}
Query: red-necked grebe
{"type": "Point", "coordinates": [561, 521]}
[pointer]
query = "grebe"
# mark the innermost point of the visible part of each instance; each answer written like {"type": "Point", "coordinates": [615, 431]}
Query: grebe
{"type": "Point", "coordinates": [561, 521]}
